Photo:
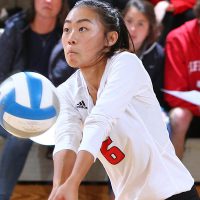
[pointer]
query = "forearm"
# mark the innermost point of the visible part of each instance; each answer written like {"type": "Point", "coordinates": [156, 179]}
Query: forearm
{"type": "Point", "coordinates": [63, 165]}
{"type": "Point", "coordinates": [82, 165]}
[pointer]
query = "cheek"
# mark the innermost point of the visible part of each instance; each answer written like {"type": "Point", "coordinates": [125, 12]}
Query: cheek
{"type": "Point", "coordinates": [36, 5]}
{"type": "Point", "coordinates": [143, 33]}
{"type": "Point", "coordinates": [63, 40]}
{"type": "Point", "coordinates": [95, 43]}
{"type": "Point", "coordinates": [57, 10]}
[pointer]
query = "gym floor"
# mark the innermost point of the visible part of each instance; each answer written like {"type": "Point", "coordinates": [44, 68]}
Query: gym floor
{"type": "Point", "coordinates": [41, 192]}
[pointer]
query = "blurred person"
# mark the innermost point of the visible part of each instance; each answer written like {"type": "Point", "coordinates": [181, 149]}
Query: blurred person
{"type": "Point", "coordinates": [140, 20]}
{"type": "Point", "coordinates": [182, 73]}
{"type": "Point", "coordinates": [26, 44]}
{"type": "Point", "coordinates": [109, 111]}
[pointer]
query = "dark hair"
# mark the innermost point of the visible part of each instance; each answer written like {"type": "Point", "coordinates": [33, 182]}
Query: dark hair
{"type": "Point", "coordinates": [197, 9]}
{"type": "Point", "coordinates": [147, 9]}
{"type": "Point", "coordinates": [112, 21]}
{"type": "Point", "coordinates": [61, 17]}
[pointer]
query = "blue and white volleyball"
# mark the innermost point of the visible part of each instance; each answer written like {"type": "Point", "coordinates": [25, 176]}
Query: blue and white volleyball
{"type": "Point", "coordinates": [29, 105]}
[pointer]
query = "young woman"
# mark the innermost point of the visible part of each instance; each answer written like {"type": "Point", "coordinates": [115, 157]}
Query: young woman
{"type": "Point", "coordinates": [109, 111]}
{"type": "Point", "coordinates": [140, 20]}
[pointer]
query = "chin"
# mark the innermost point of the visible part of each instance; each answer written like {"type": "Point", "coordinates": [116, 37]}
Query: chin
{"type": "Point", "coordinates": [72, 64]}
{"type": "Point", "coordinates": [75, 67]}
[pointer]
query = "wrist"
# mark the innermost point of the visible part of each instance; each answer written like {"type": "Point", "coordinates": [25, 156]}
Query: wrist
{"type": "Point", "coordinates": [74, 180]}
{"type": "Point", "coordinates": [56, 185]}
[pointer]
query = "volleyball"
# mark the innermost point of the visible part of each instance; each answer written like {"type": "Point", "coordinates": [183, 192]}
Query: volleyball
{"type": "Point", "coordinates": [29, 105]}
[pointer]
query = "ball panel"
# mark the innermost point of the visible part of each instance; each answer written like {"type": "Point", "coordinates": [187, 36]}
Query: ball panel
{"type": "Point", "coordinates": [47, 92]}
{"type": "Point", "coordinates": [21, 88]}
{"type": "Point", "coordinates": [35, 90]}
{"type": "Point", "coordinates": [25, 127]}
{"type": "Point", "coordinates": [30, 113]}
{"type": "Point", "coordinates": [47, 138]}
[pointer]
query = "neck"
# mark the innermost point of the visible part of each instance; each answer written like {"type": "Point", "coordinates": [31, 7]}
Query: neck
{"type": "Point", "coordinates": [92, 76]}
{"type": "Point", "coordinates": [43, 25]}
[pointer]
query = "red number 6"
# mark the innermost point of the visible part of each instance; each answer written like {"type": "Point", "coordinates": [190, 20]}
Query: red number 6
{"type": "Point", "coordinates": [113, 155]}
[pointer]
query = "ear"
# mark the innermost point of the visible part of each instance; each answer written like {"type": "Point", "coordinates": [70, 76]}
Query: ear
{"type": "Point", "coordinates": [112, 38]}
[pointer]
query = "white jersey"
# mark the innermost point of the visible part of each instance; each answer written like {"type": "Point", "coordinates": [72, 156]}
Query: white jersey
{"type": "Point", "coordinates": [124, 129]}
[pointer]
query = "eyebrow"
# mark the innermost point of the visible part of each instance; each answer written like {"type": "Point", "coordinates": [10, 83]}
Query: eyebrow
{"type": "Point", "coordinates": [78, 21]}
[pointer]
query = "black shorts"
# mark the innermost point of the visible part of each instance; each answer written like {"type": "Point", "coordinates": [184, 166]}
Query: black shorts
{"type": "Point", "coordinates": [189, 195]}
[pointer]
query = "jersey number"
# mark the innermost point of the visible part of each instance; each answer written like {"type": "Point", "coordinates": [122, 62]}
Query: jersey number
{"type": "Point", "coordinates": [113, 155]}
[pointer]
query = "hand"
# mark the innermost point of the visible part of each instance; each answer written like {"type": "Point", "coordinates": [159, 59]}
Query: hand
{"type": "Point", "coordinates": [67, 191]}
{"type": "Point", "coordinates": [160, 10]}
{"type": "Point", "coordinates": [53, 193]}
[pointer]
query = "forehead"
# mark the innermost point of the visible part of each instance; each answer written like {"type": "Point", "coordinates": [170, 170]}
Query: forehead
{"type": "Point", "coordinates": [134, 12]}
{"type": "Point", "coordinates": [79, 13]}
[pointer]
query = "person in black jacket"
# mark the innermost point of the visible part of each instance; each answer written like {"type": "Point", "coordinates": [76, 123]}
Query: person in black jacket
{"type": "Point", "coordinates": [140, 20]}
{"type": "Point", "coordinates": [30, 42]}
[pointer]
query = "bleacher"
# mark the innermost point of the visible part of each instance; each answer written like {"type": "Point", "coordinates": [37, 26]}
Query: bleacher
{"type": "Point", "coordinates": [39, 168]}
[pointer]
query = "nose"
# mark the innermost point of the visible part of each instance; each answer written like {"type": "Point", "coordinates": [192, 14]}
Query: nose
{"type": "Point", "coordinates": [132, 28]}
{"type": "Point", "coordinates": [71, 39]}
{"type": "Point", "coordinates": [71, 42]}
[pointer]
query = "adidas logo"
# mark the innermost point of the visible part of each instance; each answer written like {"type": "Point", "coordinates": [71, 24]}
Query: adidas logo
{"type": "Point", "coordinates": [81, 105]}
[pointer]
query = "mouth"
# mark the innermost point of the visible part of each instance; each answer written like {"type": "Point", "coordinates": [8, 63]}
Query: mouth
{"type": "Point", "coordinates": [71, 52]}
{"type": "Point", "coordinates": [47, 7]}
{"type": "Point", "coordinates": [133, 37]}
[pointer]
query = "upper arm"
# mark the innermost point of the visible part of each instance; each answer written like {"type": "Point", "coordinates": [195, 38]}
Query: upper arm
{"type": "Point", "coordinates": [127, 79]}
{"type": "Point", "coordinates": [7, 53]}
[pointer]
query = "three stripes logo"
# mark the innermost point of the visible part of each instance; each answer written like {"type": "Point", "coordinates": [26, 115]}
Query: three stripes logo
{"type": "Point", "coordinates": [81, 104]}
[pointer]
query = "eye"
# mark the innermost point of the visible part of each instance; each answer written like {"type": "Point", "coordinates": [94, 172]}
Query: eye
{"type": "Point", "coordinates": [128, 20]}
{"type": "Point", "coordinates": [82, 29]}
{"type": "Point", "coordinates": [66, 30]}
{"type": "Point", "coordinates": [141, 24]}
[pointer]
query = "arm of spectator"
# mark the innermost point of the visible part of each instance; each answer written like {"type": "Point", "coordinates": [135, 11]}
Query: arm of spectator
{"type": "Point", "coordinates": [7, 53]}
{"type": "Point", "coordinates": [176, 7]}
{"type": "Point", "coordinates": [181, 5]}
{"type": "Point", "coordinates": [154, 2]}
{"type": "Point", "coordinates": [160, 9]}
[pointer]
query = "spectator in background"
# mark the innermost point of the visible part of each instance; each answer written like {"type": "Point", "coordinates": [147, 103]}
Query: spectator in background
{"type": "Point", "coordinates": [182, 73]}
{"type": "Point", "coordinates": [28, 44]}
{"type": "Point", "coordinates": [172, 14]}
{"type": "Point", "coordinates": [140, 20]}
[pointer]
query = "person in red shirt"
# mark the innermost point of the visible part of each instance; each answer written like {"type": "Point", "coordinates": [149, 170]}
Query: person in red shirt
{"type": "Point", "coordinates": [182, 73]}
